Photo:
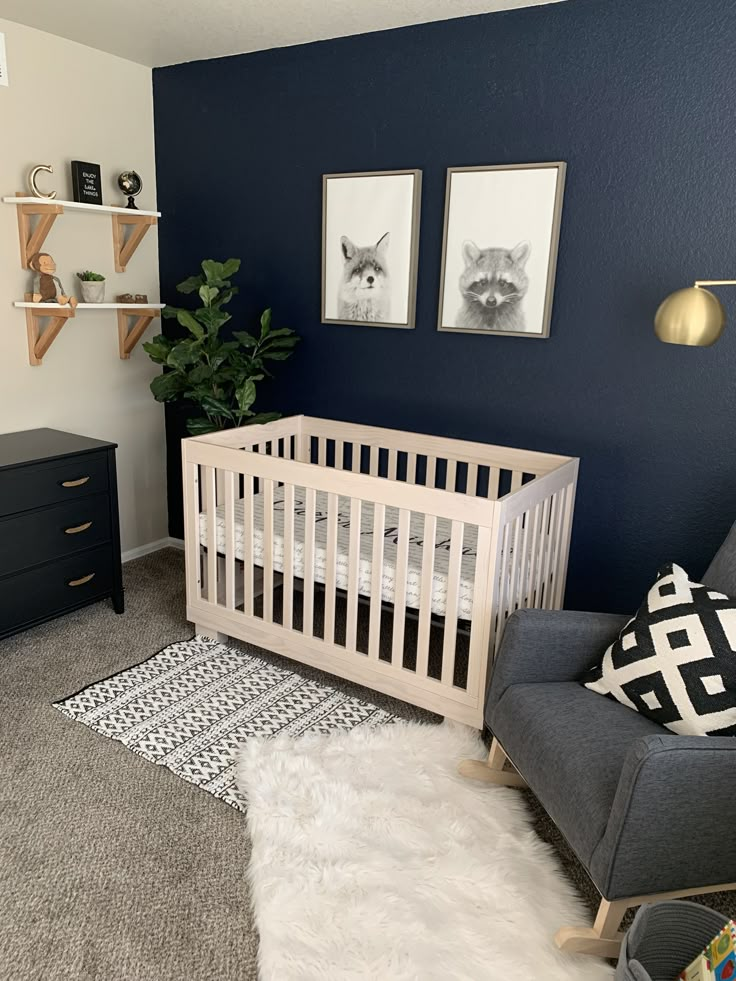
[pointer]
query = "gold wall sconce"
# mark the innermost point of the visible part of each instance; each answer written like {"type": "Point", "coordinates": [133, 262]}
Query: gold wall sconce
{"type": "Point", "coordinates": [692, 316]}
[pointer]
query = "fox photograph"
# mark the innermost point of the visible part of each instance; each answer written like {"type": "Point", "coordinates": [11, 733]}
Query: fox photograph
{"type": "Point", "coordinates": [370, 227]}
{"type": "Point", "coordinates": [500, 244]}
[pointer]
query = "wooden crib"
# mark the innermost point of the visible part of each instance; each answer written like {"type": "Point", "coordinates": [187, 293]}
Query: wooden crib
{"type": "Point", "coordinates": [389, 558]}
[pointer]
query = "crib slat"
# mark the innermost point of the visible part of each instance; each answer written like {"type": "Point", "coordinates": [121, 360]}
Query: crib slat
{"type": "Point", "coordinates": [192, 510]}
{"type": "Point", "coordinates": [449, 640]}
{"type": "Point", "coordinates": [309, 523]}
{"type": "Point", "coordinates": [411, 468]}
{"type": "Point", "coordinates": [431, 477]}
{"type": "Point", "coordinates": [534, 552]}
{"type": "Point", "coordinates": [494, 476]}
{"type": "Point", "coordinates": [374, 626]}
{"type": "Point", "coordinates": [561, 507]}
{"type": "Point", "coordinates": [356, 457]}
{"type": "Point", "coordinates": [524, 561]}
{"type": "Point", "coordinates": [288, 590]}
{"type": "Point", "coordinates": [373, 461]}
{"type": "Point", "coordinates": [339, 454]}
{"type": "Point", "coordinates": [303, 443]}
{"type": "Point", "coordinates": [402, 558]}
{"type": "Point", "coordinates": [503, 588]}
{"type": "Point", "coordinates": [451, 477]}
{"type": "Point", "coordinates": [248, 545]}
{"type": "Point", "coordinates": [393, 457]}
{"type": "Point", "coordinates": [549, 585]}
{"type": "Point", "coordinates": [564, 545]}
{"type": "Point", "coordinates": [268, 551]}
{"type": "Point", "coordinates": [516, 479]}
{"type": "Point", "coordinates": [229, 486]}
{"type": "Point", "coordinates": [548, 537]}
{"type": "Point", "coordinates": [425, 597]}
{"type": "Point", "coordinates": [351, 635]}
{"type": "Point", "coordinates": [480, 623]}
{"type": "Point", "coordinates": [210, 491]}
{"type": "Point", "coordinates": [330, 571]}
{"type": "Point", "coordinates": [513, 574]}
{"type": "Point", "coordinates": [321, 451]}
{"type": "Point", "coordinates": [472, 484]}
{"type": "Point", "coordinates": [541, 550]}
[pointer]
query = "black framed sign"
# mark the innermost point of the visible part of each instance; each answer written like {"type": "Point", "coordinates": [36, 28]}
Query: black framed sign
{"type": "Point", "coordinates": [86, 182]}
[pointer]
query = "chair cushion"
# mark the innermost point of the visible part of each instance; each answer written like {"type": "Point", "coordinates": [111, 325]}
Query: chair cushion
{"type": "Point", "coordinates": [569, 745]}
{"type": "Point", "coordinates": [675, 661]}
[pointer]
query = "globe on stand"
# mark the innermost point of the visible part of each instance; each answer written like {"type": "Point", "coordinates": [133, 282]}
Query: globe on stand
{"type": "Point", "coordinates": [131, 184]}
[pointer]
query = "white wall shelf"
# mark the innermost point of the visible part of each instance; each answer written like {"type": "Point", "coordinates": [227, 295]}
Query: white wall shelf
{"type": "Point", "coordinates": [46, 211]}
{"type": "Point", "coordinates": [44, 322]}
{"type": "Point", "coordinates": [80, 206]}
{"type": "Point", "coordinates": [90, 306]}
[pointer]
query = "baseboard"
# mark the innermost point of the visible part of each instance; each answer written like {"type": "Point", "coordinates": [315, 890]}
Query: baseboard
{"type": "Point", "coordinates": [141, 550]}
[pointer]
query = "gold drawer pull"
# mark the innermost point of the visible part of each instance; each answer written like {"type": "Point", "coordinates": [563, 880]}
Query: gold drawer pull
{"type": "Point", "coordinates": [74, 483]}
{"type": "Point", "coordinates": [82, 581]}
{"type": "Point", "coordinates": [78, 528]}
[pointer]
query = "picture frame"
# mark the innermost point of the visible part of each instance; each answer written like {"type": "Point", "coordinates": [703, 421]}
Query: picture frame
{"type": "Point", "coordinates": [370, 248]}
{"type": "Point", "coordinates": [86, 182]}
{"type": "Point", "coordinates": [499, 248]}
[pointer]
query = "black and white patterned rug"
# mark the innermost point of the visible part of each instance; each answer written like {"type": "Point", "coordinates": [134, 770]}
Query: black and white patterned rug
{"type": "Point", "coordinates": [192, 705]}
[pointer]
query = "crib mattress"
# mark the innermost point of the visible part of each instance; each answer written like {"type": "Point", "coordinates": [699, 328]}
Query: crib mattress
{"type": "Point", "coordinates": [365, 566]}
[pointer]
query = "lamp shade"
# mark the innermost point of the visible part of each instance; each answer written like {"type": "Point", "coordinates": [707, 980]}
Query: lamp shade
{"type": "Point", "coordinates": [692, 316]}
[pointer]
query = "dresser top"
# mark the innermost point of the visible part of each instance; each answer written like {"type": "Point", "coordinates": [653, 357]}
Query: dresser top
{"type": "Point", "coordinates": [37, 445]}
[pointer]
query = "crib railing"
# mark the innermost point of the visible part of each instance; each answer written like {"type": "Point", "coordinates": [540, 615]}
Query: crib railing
{"type": "Point", "coordinates": [433, 502]}
{"type": "Point", "coordinates": [476, 469]}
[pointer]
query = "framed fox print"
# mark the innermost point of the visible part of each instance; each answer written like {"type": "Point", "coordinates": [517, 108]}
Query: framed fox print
{"type": "Point", "coordinates": [370, 245]}
{"type": "Point", "coordinates": [499, 252]}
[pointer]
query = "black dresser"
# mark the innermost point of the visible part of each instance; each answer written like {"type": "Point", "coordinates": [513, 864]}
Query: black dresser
{"type": "Point", "coordinates": [59, 526]}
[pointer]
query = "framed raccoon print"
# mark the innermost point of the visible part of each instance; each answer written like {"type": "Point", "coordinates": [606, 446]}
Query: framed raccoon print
{"type": "Point", "coordinates": [370, 246]}
{"type": "Point", "coordinates": [499, 252]}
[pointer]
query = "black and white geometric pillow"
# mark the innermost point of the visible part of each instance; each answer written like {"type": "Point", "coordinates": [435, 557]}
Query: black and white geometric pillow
{"type": "Point", "coordinates": [675, 660]}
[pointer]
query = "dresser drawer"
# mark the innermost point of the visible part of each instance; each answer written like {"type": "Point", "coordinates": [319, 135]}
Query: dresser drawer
{"type": "Point", "coordinates": [37, 486]}
{"type": "Point", "coordinates": [53, 588]}
{"type": "Point", "coordinates": [39, 536]}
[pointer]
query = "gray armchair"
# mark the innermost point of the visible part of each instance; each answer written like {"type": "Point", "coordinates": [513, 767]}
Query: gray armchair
{"type": "Point", "coordinates": [648, 813]}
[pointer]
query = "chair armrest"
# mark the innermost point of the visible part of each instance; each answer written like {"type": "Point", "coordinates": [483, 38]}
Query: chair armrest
{"type": "Point", "coordinates": [550, 645]}
{"type": "Point", "coordinates": [671, 823]}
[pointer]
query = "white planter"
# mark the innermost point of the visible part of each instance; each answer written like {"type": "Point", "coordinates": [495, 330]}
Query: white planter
{"type": "Point", "coordinates": [93, 292]}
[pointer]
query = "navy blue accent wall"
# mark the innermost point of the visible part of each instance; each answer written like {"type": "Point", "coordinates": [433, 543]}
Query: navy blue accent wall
{"type": "Point", "coordinates": [639, 98]}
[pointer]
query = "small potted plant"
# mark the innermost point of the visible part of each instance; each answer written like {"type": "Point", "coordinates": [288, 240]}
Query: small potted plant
{"type": "Point", "coordinates": [93, 286]}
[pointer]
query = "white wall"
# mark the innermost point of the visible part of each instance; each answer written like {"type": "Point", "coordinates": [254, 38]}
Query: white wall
{"type": "Point", "coordinates": [67, 101]}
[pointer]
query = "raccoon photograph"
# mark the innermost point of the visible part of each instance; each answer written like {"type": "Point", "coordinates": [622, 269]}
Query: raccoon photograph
{"type": "Point", "coordinates": [370, 231]}
{"type": "Point", "coordinates": [493, 286]}
{"type": "Point", "coordinates": [365, 288]}
{"type": "Point", "coordinates": [499, 256]}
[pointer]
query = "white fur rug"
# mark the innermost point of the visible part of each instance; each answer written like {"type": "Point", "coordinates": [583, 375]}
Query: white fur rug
{"type": "Point", "coordinates": [372, 858]}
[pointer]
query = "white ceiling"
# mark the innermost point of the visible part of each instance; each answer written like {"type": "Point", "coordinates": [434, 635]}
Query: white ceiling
{"type": "Point", "coordinates": [165, 32]}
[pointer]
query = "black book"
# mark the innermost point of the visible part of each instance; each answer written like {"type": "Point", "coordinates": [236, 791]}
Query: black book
{"type": "Point", "coordinates": [86, 182]}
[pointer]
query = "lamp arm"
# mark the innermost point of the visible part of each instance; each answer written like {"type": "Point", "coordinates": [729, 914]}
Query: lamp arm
{"type": "Point", "coordinates": [714, 282]}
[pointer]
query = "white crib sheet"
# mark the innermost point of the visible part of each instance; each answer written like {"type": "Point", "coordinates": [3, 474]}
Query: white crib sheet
{"type": "Point", "coordinates": [388, 578]}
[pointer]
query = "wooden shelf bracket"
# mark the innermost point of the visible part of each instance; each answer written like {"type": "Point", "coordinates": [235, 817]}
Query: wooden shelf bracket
{"type": "Point", "coordinates": [124, 247]}
{"type": "Point", "coordinates": [40, 340]}
{"type": "Point", "coordinates": [128, 336]}
{"type": "Point", "coordinates": [32, 239]}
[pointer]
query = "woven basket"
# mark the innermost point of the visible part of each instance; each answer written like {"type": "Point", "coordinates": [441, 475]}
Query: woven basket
{"type": "Point", "coordinates": [664, 939]}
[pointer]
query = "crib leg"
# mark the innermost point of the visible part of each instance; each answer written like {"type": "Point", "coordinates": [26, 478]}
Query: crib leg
{"type": "Point", "coordinates": [202, 631]}
{"type": "Point", "coordinates": [492, 771]}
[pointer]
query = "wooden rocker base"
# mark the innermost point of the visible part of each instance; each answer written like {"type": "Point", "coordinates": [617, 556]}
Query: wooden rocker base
{"type": "Point", "coordinates": [494, 770]}
{"type": "Point", "coordinates": [604, 937]}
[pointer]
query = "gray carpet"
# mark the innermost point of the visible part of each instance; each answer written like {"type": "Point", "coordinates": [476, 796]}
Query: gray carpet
{"type": "Point", "coordinates": [112, 868]}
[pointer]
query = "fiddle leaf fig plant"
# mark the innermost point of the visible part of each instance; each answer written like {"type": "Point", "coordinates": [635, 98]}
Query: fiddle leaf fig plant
{"type": "Point", "coordinates": [218, 376]}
